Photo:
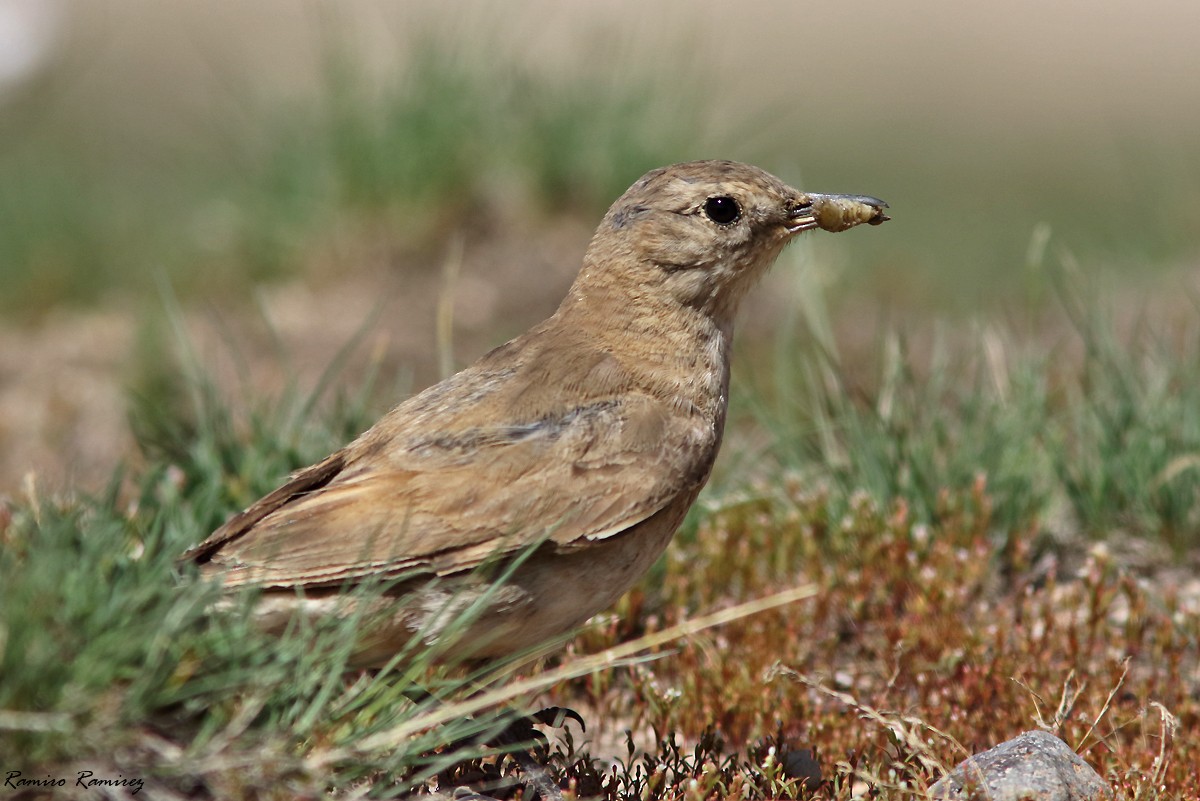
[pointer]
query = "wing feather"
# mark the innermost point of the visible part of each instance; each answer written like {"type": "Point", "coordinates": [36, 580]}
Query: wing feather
{"type": "Point", "coordinates": [432, 488]}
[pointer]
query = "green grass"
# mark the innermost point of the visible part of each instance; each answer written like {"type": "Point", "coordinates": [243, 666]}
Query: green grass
{"type": "Point", "coordinates": [114, 661]}
{"type": "Point", "coordinates": [1098, 434]}
{"type": "Point", "coordinates": [916, 505]}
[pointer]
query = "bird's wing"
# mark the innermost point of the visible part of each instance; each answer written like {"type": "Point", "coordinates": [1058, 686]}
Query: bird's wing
{"type": "Point", "coordinates": [416, 497]}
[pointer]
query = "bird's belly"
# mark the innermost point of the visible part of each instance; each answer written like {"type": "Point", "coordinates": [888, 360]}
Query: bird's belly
{"type": "Point", "coordinates": [472, 617]}
{"type": "Point", "coordinates": [546, 596]}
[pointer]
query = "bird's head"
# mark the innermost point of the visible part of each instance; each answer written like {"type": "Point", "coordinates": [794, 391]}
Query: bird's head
{"type": "Point", "coordinates": [703, 232]}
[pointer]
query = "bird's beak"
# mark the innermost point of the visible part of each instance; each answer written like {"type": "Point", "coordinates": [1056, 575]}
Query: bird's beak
{"type": "Point", "coordinates": [835, 212]}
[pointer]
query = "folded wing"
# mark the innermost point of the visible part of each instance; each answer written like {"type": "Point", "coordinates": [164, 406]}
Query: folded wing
{"type": "Point", "coordinates": [436, 488]}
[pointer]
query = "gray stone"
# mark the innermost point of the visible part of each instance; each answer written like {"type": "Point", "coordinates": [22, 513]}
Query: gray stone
{"type": "Point", "coordinates": [1035, 766]}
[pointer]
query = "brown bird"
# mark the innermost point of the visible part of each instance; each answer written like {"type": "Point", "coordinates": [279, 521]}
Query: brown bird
{"type": "Point", "coordinates": [566, 458]}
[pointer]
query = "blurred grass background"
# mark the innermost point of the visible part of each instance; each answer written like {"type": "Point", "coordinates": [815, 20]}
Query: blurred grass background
{"type": "Point", "coordinates": [226, 150]}
{"type": "Point", "coordinates": [219, 143]}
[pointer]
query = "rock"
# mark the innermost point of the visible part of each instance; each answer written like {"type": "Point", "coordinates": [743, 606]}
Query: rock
{"type": "Point", "coordinates": [802, 765]}
{"type": "Point", "coordinates": [1035, 766]}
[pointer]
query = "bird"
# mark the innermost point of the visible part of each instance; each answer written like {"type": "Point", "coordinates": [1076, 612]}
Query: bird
{"type": "Point", "coordinates": [529, 491]}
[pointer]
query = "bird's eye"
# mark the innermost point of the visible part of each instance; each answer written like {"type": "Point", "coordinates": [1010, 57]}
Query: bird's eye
{"type": "Point", "coordinates": [722, 210]}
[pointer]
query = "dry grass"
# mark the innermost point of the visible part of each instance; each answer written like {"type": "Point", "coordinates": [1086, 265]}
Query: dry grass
{"type": "Point", "coordinates": [933, 618]}
{"type": "Point", "coordinates": [923, 644]}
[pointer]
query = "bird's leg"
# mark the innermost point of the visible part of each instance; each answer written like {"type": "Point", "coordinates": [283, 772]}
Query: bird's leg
{"type": "Point", "coordinates": [530, 747]}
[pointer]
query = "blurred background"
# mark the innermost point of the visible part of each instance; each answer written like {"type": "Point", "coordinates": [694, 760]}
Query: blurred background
{"type": "Point", "coordinates": [284, 173]}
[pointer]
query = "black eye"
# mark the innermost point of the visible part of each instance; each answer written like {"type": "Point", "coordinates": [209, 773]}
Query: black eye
{"type": "Point", "coordinates": [722, 210]}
